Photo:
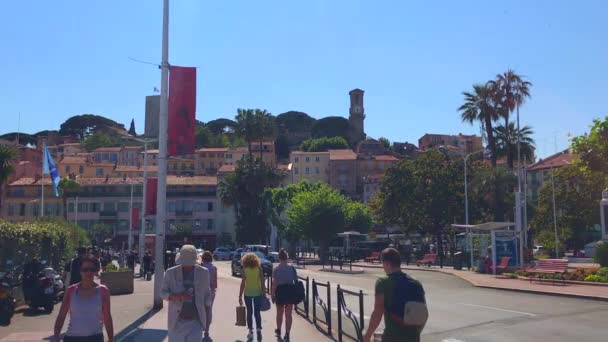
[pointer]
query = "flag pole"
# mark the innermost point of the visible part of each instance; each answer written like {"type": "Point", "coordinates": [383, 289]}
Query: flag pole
{"type": "Point", "coordinates": [42, 179]}
{"type": "Point", "coordinates": [161, 204]}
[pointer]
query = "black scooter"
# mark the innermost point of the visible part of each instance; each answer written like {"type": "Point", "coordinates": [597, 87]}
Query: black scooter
{"type": "Point", "coordinates": [43, 294]}
{"type": "Point", "coordinates": [7, 301]}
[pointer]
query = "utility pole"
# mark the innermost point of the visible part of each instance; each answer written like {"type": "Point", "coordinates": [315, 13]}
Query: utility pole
{"type": "Point", "coordinates": [161, 205]}
{"type": "Point", "coordinates": [130, 240]}
{"type": "Point", "coordinates": [554, 215]}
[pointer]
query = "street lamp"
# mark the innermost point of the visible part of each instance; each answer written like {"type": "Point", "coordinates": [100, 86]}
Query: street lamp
{"type": "Point", "coordinates": [466, 203]}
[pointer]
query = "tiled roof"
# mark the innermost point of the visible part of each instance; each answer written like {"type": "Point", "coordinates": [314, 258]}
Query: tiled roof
{"type": "Point", "coordinates": [310, 153]}
{"type": "Point", "coordinates": [129, 168]}
{"type": "Point", "coordinates": [108, 149]}
{"type": "Point", "coordinates": [238, 149]}
{"type": "Point", "coordinates": [226, 168]}
{"type": "Point", "coordinates": [385, 157]}
{"type": "Point", "coordinates": [212, 149]}
{"type": "Point", "coordinates": [171, 180]}
{"type": "Point", "coordinates": [133, 147]}
{"type": "Point", "coordinates": [69, 144]}
{"type": "Point", "coordinates": [30, 181]}
{"type": "Point", "coordinates": [556, 160]}
{"type": "Point", "coordinates": [345, 154]}
{"type": "Point", "coordinates": [73, 160]}
{"type": "Point", "coordinates": [102, 164]}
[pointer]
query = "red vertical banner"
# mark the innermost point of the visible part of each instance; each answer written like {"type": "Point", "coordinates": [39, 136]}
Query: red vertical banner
{"type": "Point", "coordinates": [182, 108]}
{"type": "Point", "coordinates": [134, 218]}
{"type": "Point", "coordinates": [151, 190]}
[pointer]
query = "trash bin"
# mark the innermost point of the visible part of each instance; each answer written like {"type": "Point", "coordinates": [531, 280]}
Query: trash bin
{"type": "Point", "coordinates": [458, 260]}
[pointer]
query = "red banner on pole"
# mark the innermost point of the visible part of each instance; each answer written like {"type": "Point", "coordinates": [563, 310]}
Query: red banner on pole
{"type": "Point", "coordinates": [134, 218]}
{"type": "Point", "coordinates": [151, 190]}
{"type": "Point", "coordinates": [182, 108]}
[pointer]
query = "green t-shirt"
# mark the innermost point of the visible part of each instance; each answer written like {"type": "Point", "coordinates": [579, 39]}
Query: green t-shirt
{"type": "Point", "coordinates": [392, 331]}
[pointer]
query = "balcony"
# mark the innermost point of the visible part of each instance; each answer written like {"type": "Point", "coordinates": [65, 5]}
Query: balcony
{"type": "Point", "coordinates": [108, 214]}
{"type": "Point", "coordinates": [183, 213]}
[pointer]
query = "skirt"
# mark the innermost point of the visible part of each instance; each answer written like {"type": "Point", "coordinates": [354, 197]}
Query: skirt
{"type": "Point", "coordinates": [285, 294]}
{"type": "Point", "coordinates": [92, 338]}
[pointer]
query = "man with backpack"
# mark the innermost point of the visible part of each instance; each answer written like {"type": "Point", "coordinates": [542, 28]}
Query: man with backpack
{"type": "Point", "coordinates": [400, 299]}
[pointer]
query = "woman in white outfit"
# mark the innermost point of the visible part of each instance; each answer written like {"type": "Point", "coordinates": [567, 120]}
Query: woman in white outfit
{"type": "Point", "coordinates": [186, 288]}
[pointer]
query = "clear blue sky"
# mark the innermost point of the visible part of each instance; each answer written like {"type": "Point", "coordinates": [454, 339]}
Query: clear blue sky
{"type": "Point", "coordinates": [413, 59]}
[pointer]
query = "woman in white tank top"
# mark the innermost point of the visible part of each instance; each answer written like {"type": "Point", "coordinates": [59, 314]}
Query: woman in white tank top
{"type": "Point", "coordinates": [89, 306]}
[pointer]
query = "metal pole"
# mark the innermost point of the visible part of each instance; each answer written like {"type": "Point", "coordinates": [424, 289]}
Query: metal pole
{"type": "Point", "coordinates": [525, 216]}
{"type": "Point", "coordinates": [339, 314]}
{"type": "Point", "coordinates": [361, 316]}
{"type": "Point", "coordinates": [554, 216]}
{"type": "Point", "coordinates": [42, 179]}
{"type": "Point", "coordinates": [76, 211]}
{"type": "Point", "coordinates": [130, 240]}
{"type": "Point", "coordinates": [142, 228]}
{"type": "Point", "coordinates": [161, 204]}
{"type": "Point", "coordinates": [519, 208]}
{"type": "Point", "coordinates": [328, 309]}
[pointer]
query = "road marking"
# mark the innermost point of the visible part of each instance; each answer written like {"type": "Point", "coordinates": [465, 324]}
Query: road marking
{"type": "Point", "coordinates": [499, 309]}
{"type": "Point", "coordinates": [451, 340]}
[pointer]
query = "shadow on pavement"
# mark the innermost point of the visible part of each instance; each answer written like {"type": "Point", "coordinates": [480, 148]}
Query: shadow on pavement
{"type": "Point", "coordinates": [132, 330]}
{"type": "Point", "coordinates": [144, 335]}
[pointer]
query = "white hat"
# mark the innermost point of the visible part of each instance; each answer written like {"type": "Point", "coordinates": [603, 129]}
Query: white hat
{"type": "Point", "coordinates": [187, 256]}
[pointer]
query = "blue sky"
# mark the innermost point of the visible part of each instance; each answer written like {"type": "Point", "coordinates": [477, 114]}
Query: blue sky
{"type": "Point", "coordinates": [413, 59]}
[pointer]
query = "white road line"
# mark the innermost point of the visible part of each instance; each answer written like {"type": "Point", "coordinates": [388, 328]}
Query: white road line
{"type": "Point", "coordinates": [499, 309]}
{"type": "Point", "coordinates": [451, 340]}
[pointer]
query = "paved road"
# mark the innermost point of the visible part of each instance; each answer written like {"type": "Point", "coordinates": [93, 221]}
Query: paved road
{"type": "Point", "coordinates": [462, 312]}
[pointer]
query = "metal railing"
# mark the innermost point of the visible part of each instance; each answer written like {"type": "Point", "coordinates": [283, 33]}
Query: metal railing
{"type": "Point", "coordinates": [304, 310]}
{"type": "Point", "coordinates": [358, 324]}
{"type": "Point", "coordinates": [318, 301]}
{"type": "Point", "coordinates": [268, 279]}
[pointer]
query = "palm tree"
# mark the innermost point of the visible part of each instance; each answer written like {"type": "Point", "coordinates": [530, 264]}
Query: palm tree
{"type": "Point", "coordinates": [67, 187]}
{"type": "Point", "coordinates": [511, 91]}
{"type": "Point", "coordinates": [265, 123]}
{"type": "Point", "coordinates": [246, 126]}
{"type": "Point", "coordinates": [506, 142]}
{"type": "Point", "coordinates": [479, 105]}
{"type": "Point", "coordinates": [7, 156]}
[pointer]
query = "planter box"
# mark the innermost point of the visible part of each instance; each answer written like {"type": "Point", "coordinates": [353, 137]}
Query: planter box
{"type": "Point", "coordinates": [571, 282]}
{"type": "Point", "coordinates": [118, 282]}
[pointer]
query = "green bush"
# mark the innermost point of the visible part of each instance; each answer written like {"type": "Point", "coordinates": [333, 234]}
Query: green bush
{"type": "Point", "coordinates": [596, 278]}
{"type": "Point", "coordinates": [541, 255]}
{"type": "Point", "coordinates": [601, 254]}
{"type": "Point", "coordinates": [580, 274]}
{"type": "Point", "coordinates": [602, 272]}
{"type": "Point", "coordinates": [113, 268]}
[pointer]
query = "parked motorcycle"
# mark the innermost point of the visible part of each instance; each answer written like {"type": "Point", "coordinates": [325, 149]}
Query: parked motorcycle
{"type": "Point", "coordinates": [43, 294]}
{"type": "Point", "coordinates": [58, 285]}
{"type": "Point", "coordinates": [7, 301]}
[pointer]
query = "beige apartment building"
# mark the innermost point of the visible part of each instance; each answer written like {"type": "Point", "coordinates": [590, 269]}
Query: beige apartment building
{"type": "Point", "coordinates": [311, 166]}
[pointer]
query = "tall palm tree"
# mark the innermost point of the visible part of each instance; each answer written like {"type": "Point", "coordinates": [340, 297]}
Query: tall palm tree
{"type": "Point", "coordinates": [7, 156]}
{"type": "Point", "coordinates": [246, 126]}
{"type": "Point", "coordinates": [479, 105]}
{"type": "Point", "coordinates": [511, 91]}
{"type": "Point", "coordinates": [506, 142]}
{"type": "Point", "coordinates": [266, 124]}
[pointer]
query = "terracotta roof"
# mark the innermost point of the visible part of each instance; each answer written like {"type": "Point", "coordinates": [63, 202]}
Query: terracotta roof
{"type": "Point", "coordinates": [69, 144]}
{"type": "Point", "coordinates": [129, 168]}
{"type": "Point", "coordinates": [238, 149]}
{"type": "Point", "coordinates": [133, 147]}
{"type": "Point", "coordinates": [226, 168]}
{"type": "Point", "coordinates": [556, 160]}
{"type": "Point", "coordinates": [311, 153]}
{"type": "Point", "coordinates": [212, 149]}
{"type": "Point", "coordinates": [385, 157]}
{"type": "Point", "coordinates": [196, 180]}
{"type": "Point", "coordinates": [30, 181]}
{"type": "Point", "coordinates": [108, 149]}
{"type": "Point", "coordinates": [73, 160]}
{"type": "Point", "coordinates": [102, 164]}
{"type": "Point", "coordinates": [342, 155]}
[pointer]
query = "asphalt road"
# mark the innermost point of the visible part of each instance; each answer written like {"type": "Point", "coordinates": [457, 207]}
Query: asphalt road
{"type": "Point", "coordinates": [462, 312]}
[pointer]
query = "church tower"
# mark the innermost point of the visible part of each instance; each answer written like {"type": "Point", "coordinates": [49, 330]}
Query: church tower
{"type": "Point", "coordinates": [356, 116]}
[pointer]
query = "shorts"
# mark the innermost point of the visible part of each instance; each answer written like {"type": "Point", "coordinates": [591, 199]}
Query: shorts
{"type": "Point", "coordinates": [92, 338]}
{"type": "Point", "coordinates": [285, 294]}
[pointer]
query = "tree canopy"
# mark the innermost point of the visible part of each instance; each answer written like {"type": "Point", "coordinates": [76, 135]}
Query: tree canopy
{"type": "Point", "coordinates": [132, 128]}
{"type": "Point", "coordinates": [97, 140]}
{"type": "Point", "coordinates": [221, 125]}
{"type": "Point", "coordinates": [591, 149]}
{"type": "Point", "coordinates": [294, 121]}
{"type": "Point", "coordinates": [323, 144]}
{"type": "Point", "coordinates": [24, 138]}
{"type": "Point", "coordinates": [331, 126]}
{"type": "Point", "coordinates": [85, 125]}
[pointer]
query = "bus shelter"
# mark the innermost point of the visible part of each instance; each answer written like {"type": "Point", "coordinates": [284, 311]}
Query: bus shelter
{"type": "Point", "coordinates": [501, 236]}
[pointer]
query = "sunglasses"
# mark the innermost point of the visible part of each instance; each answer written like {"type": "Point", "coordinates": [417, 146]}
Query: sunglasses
{"type": "Point", "coordinates": [87, 270]}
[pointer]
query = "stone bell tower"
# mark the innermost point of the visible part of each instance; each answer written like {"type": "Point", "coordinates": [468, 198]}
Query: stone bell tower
{"type": "Point", "coordinates": [356, 116]}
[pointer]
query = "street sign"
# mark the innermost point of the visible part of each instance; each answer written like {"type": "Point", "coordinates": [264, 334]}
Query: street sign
{"type": "Point", "coordinates": [504, 244]}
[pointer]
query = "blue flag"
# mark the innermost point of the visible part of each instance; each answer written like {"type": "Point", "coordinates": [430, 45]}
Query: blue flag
{"type": "Point", "coordinates": [49, 168]}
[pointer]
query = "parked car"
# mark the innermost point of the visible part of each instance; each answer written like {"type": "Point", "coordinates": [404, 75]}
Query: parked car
{"type": "Point", "coordinates": [222, 253]}
{"type": "Point", "coordinates": [237, 268]}
{"type": "Point", "coordinates": [273, 256]}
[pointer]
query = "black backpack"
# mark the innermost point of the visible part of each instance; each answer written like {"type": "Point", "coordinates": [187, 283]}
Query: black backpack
{"type": "Point", "coordinates": [408, 304]}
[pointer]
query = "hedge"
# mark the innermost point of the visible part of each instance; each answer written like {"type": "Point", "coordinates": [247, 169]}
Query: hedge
{"type": "Point", "coordinates": [46, 239]}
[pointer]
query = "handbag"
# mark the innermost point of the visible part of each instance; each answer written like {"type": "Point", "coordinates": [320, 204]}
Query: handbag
{"type": "Point", "coordinates": [299, 291]}
{"type": "Point", "coordinates": [264, 304]}
{"type": "Point", "coordinates": [240, 316]}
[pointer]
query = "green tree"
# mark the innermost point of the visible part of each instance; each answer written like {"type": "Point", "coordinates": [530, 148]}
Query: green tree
{"type": "Point", "coordinates": [591, 150]}
{"type": "Point", "coordinates": [510, 92]}
{"type": "Point", "coordinates": [221, 126]}
{"type": "Point", "coordinates": [85, 125]}
{"type": "Point", "coordinates": [423, 195]}
{"type": "Point", "coordinates": [7, 158]}
{"type": "Point", "coordinates": [318, 215]}
{"type": "Point", "coordinates": [358, 217]}
{"type": "Point", "coordinates": [506, 142]}
{"type": "Point", "coordinates": [132, 128]}
{"type": "Point", "coordinates": [254, 125]}
{"type": "Point", "coordinates": [245, 191]}
{"type": "Point", "coordinates": [294, 122]}
{"type": "Point", "coordinates": [183, 230]}
{"type": "Point", "coordinates": [576, 201]}
{"type": "Point", "coordinates": [100, 140]}
{"type": "Point", "coordinates": [324, 144]}
{"type": "Point", "coordinates": [24, 138]}
{"type": "Point", "coordinates": [385, 142]}
{"type": "Point", "coordinates": [331, 126]}
{"type": "Point", "coordinates": [480, 106]}
{"type": "Point", "coordinates": [99, 232]}
{"type": "Point", "coordinates": [67, 187]}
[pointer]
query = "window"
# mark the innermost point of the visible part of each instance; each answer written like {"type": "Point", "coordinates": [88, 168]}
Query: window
{"type": "Point", "coordinates": [108, 206]}
{"type": "Point", "coordinates": [381, 166]}
{"type": "Point", "coordinates": [123, 225]}
{"type": "Point", "coordinates": [68, 169]}
{"type": "Point", "coordinates": [81, 169]}
{"type": "Point", "coordinates": [70, 208]}
{"type": "Point", "coordinates": [307, 170]}
{"type": "Point", "coordinates": [211, 164]}
{"type": "Point", "coordinates": [296, 159]}
{"type": "Point", "coordinates": [197, 224]}
{"type": "Point", "coordinates": [22, 209]}
{"type": "Point", "coordinates": [317, 159]}
{"type": "Point", "coordinates": [171, 207]}
{"type": "Point", "coordinates": [36, 209]}
{"type": "Point", "coordinates": [296, 171]}
{"type": "Point", "coordinates": [83, 207]}
{"type": "Point", "coordinates": [174, 166]}
{"type": "Point", "coordinates": [209, 206]}
{"type": "Point", "coordinates": [11, 209]}
{"type": "Point", "coordinates": [198, 206]}
{"type": "Point", "coordinates": [307, 159]}
{"type": "Point", "coordinates": [209, 224]}
{"type": "Point", "coordinates": [99, 172]}
{"type": "Point", "coordinates": [123, 207]}
{"type": "Point", "coordinates": [317, 170]}
{"type": "Point", "coordinates": [94, 207]}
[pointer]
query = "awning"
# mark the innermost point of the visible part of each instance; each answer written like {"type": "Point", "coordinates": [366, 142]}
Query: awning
{"type": "Point", "coordinates": [486, 226]}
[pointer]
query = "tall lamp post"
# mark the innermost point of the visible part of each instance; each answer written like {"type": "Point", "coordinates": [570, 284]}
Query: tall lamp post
{"type": "Point", "coordinates": [466, 203]}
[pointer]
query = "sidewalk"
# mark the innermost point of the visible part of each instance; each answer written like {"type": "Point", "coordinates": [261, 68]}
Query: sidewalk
{"type": "Point", "coordinates": [224, 317]}
{"type": "Point", "coordinates": [489, 281]}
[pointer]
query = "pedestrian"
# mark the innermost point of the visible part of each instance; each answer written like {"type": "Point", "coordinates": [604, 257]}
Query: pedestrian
{"type": "Point", "coordinates": [30, 278]}
{"type": "Point", "coordinates": [252, 285]}
{"type": "Point", "coordinates": [88, 304]}
{"type": "Point", "coordinates": [392, 294]}
{"type": "Point", "coordinates": [147, 262]}
{"type": "Point", "coordinates": [75, 275]}
{"type": "Point", "coordinates": [131, 260]}
{"type": "Point", "coordinates": [208, 264]}
{"type": "Point", "coordinates": [187, 289]}
{"type": "Point", "coordinates": [284, 277]}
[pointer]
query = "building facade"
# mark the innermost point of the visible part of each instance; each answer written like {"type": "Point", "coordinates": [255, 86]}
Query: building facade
{"type": "Point", "coordinates": [460, 144]}
{"type": "Point", "coordinates": [310, 166]}
{"type": "Point", "coordinates": [343, 171]}
{"type": "Point", "coordinates": [209, 160]}
{"type": "Point", "coordinates": [356, 116]}
{"type": "Point", "coordinates": [540, 172]}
